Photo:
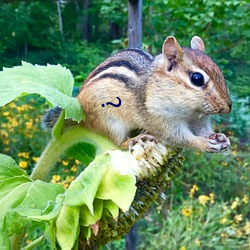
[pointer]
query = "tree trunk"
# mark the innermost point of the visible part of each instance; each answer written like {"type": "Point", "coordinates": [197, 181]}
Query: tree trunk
{"type": "Point", "coordinates": [135, 23]}
{"type": "Point", "coordinates": [131, 238]}
{"type": "Point", "coordinates": [59, 16]}
{"type": "Point", "coordinates": [85, 20]}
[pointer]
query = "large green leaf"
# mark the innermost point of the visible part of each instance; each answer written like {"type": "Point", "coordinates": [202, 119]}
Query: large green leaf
{"type": "Point", "coordinates": [21, 198]}
{"type": "Point", "coordinates": [9, 168]}
{"type": "Point", "coordinates": [67, 226]}
{"type": "Point", "coordinates": [53, 82]}
{"type": "Point", "coordinates": [83, 189]}
{"type": "Point", "coordinates": [118, 188]}
{"type": "Point", "coordinates": [83, 152]}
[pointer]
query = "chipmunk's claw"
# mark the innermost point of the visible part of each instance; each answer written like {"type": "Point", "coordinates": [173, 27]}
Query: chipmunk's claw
{"type": "Point", "coordinates": [218, 142]}
{"type": "Point", "coordinates": [141, 139]}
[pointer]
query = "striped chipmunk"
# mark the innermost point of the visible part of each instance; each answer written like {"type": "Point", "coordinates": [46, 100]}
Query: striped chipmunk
{"type": "Point", "coordinates": [169, 97]}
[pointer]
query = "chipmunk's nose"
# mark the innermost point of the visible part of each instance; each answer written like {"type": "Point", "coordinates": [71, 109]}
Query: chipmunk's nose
{"type": "Point", "coordinates": [226, 109]}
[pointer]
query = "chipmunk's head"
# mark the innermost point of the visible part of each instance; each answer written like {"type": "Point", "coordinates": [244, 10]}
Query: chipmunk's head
{"type": "Point", "coordinates": [197, 74]}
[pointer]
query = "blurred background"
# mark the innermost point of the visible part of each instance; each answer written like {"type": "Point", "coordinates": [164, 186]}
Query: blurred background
{"type": "Point", "coordinates": [207, 206]}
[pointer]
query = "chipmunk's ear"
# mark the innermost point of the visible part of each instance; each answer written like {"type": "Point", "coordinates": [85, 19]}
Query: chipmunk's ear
{"type": "Point", "coordinates": [197, 43]}
{"type": "Point", "coordinates": [172, 50]}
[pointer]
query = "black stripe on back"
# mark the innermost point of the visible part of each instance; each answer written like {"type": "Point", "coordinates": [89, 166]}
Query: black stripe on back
{"type": "Point", "coordinates": [118, 63]}
{"type": "Point", "coordinates": [142, 53]}
{"type": "Point", "coordinates": [118, 77]}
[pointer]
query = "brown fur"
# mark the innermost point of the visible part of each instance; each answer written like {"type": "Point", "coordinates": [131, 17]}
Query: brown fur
{"type": "Point", "coordinates": [157, 96]}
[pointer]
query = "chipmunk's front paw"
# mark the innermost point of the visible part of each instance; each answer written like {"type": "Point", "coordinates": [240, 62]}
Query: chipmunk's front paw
{"type": "Point", "coordinates": [218, 142]}
{"type": "Point", "coordinates": [141, 139]}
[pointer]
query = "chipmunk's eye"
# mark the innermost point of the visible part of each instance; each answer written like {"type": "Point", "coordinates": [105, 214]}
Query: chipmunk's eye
{"type": "Point", "coordinates": [197, 79]}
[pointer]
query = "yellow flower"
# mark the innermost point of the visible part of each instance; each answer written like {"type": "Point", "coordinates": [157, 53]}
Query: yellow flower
{"type": "Point", "coordinates": [183, 248]}
{"type": "Point", "coordinates": [193, 190]}
{"type": "Point", "coordinates": [24, 155]}
{"type": "Point", "coordinates": [55, 178]}
{"type": "Point", "coordinates": [14, 123]}
{"type": "Point", "coordinates": [238, 233]}
{"type": "Point", "coordinates": [65, 163]}
{"type": "Point", "coordinates": [211, 195]}
{"type": "Point", "coordinates": [187, 211]}
{"type": "Point", "coordinates": [203, 199]}
{"type": "Point", "coordinates": [35, 159]}
{"type": "Point", "coordinates": [77, 162]}
{"type": "Point", "coordinates": [238, 218]}
{"type": "Point", "coordinates": [235, 203]}
{"type": "Point", "coordinates": [23, 164]}
{"type": "Point", "coordinates": [73, 168]}
{"type": "Point", "coordinates": [234, 152]}
{"type": "Point", "coordinates": [65, 185]}
{"type": "Point", "coordinates": [245, 199]}
{"type": "Point", "coordinates": [224, 164]}
{"type": "Point", "coordinates": [223, 220]}
{"type": "Point", "coordinates": [247, 227]}
{"type": "Point", "coordinates": [70, 178]}
{"type": "Point", "coordinates": [29, 124]}
{"type": "Point", "coordinates": [6, 113]}
{"type": "Point", "coordinates": [197, 242]}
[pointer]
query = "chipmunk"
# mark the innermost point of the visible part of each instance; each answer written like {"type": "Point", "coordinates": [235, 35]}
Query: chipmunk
{"type": "Point", "coordinates": [170, 96]}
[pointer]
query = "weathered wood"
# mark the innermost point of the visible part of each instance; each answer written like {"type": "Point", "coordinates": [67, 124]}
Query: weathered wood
{"type": "Point", "coordinates": [135, 23]}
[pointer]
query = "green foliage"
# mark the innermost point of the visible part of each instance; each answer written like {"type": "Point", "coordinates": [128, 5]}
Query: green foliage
{"type": "Point", "coordinates": [30, 32]}
{"type": "Point", "coordinates": [52, 82]}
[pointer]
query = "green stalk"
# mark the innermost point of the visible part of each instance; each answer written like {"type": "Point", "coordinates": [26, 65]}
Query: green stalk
{"type": "Point", "coordinates": [57, 146]}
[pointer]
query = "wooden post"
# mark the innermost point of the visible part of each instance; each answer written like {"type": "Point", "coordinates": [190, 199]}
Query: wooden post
{"type": "Point", "coordinates": [134, 23]}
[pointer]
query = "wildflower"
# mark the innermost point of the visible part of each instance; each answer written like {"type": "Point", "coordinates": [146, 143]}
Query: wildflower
{"type": "Point", "coordinates": [224, 164]}
{"type": "Point", "coordinates": [247, 227]}
{"type": "Point", "coordinates": [197, 242]}
{"type": "Point", "coordinates": [235, 203]}
{"type": "Point", "coordinates": [23, 164]}
{"type": "Point", "coordinates": [24, 155]}
{"type": "Point", "coordinates": [183, 248]}
{"type": "Point", "coordinates": [70, 178]}
{"type": "Point", "coordinates": [238, 218]}
{"type": "Point", "coordinates": [6, 113]}
{"type": "Point", "coordinates": [238, 233]}
{"type": "Point", "coordinates": [55, 178]}
{"type": "Point", "coordinates": [223, 220]}
{"type": "Point", "coordinates": [65, 163]}
{"type": "Point", "coordinates": [203, 199]}
{"type": "Point", "coordinates": [193, 190]}
{"type": "Point", "coordinates": [65, 185]}
{"type": "Point", "coordinates": [73, 168]}
{"type": "Point", "coordinates": [14, 123]}
{"type": "Point", "coordinates": [211, 195]}
{"type": "Point", "coordinates": [234, 152]}
{"type": "Point", "coordinates": [187, 211]}
{"type": "Point", "coordinates": [77, 162]}
{"type": "Point", "coordinates": [245, 199]}
{"type": "Point", "coordinates": [35, 159]}
{"type": "Point", "coordinates": [29, 124]}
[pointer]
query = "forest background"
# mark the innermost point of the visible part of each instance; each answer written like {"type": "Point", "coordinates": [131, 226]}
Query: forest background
{"type": "Point", "coordinates": [207, 205]}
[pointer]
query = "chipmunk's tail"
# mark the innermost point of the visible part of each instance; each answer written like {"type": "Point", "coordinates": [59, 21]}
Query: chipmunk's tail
{"type": "Point", "coordinates": [50, 117]}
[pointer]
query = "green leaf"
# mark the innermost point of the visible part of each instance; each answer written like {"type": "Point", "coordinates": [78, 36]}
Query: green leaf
{"type": "Point", "coordinates": [58, 127]}
{"type": "Point", "coordinates": [67, 226]}
{"type": "Point", "coordinates": [39, 194]}
{"type": "Point", "coordinates": [53, 82]}
{"type": "Point", "coordinates": [83, 152]}
{"type": "Point", "coordinates": [34, 243]}
{"type": "Point", "coordinates": [86, 218]}
{"type": "Point", "coordinates": [9, 168]}
{"type": "Point", "coordinates": [83, 189]}
{"type": "Point", "coordinates": [118, 188]}
{"type": "Point", "coordinates": [112, 208]}
{"type": "Point", "coordinates": [6, 186]}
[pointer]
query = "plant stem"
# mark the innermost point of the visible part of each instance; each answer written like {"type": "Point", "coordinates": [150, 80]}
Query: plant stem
{"type": "Point", "coordinates": [57, 147]}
